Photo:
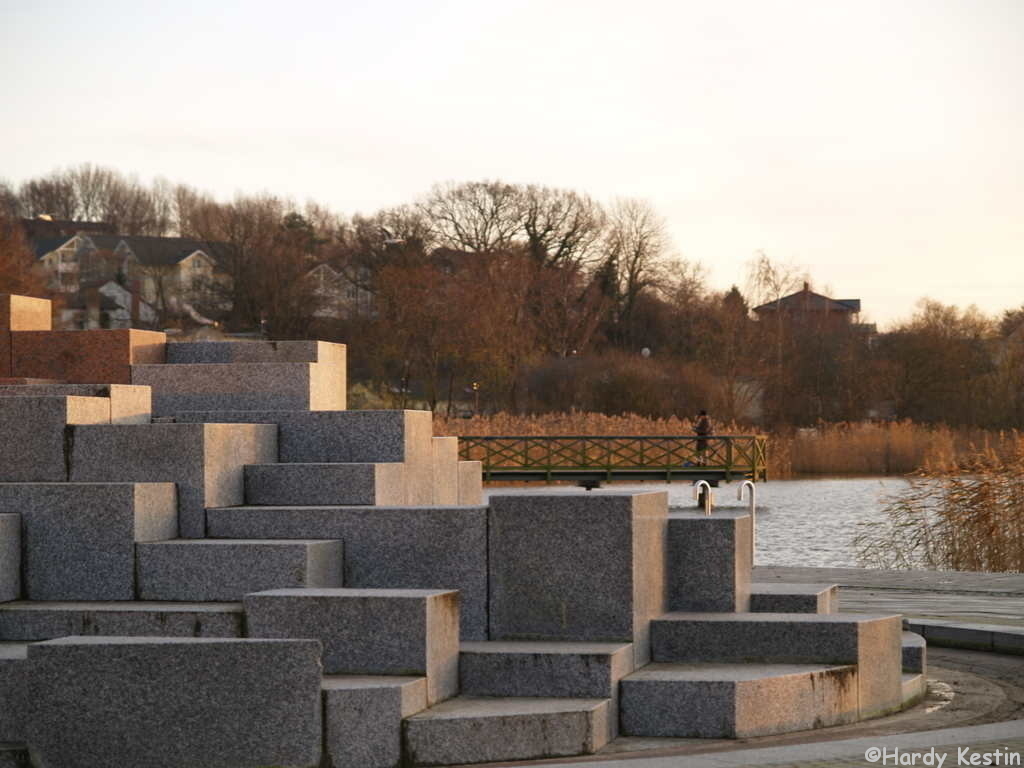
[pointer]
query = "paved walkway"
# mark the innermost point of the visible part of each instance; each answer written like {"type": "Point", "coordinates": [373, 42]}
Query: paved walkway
{"type": "Point", "coordinates": [981, 598]}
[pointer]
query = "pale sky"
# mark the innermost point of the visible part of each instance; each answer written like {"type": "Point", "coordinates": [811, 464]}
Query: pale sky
{"type": "Point", "coordinates": [878, 143]}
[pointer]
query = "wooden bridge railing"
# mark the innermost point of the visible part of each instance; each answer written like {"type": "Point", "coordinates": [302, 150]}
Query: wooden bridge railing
{"type": "Point", "coordinates": [724, 455]}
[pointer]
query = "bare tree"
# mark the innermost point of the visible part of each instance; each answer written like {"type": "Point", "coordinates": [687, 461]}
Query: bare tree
{"type": "Point", "coordinates": [479, 216]}
{"type": "Point", "coordinates": [561, 227]}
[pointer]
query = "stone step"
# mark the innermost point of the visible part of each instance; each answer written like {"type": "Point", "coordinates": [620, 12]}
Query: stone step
{"type": "Point", "coordinates": [471, 483]}
{"type": "Point", "coordinates": [78, 539]}
{"type": "Point", "coordinates": [34, 621]}
{"type": "Point", "coordinates": [480, 730]}
{"type": "Point", "coordinates": [386, 547]}
{"type": "Point", "coordinates": [871, 642]}
{"type": "Point", "coordinates": [543, 669]}
{"type": "Point", "coordinates": [182, 701]}
{"type": "Point", "coordinates": [325, 484]}
{"type": "Point", "coordinates": [915, 687]}
{"type": "Point", "coordinates": [369, 631]}
{"type": "Point", "coordinates": [204, 570]}
{"type": "Point", "coordinates": [243, 386]}
{"type": "Point", "coordinates": [98, 356]}
{"type": "Point", "coordinates": [128, 404]}
{"type": "Point", "coordinates": [445, 466]}
{"type": "Point", "coordinates": [363, 718]}
{"type": "Point", "coordinates": [780, 597]}
{"type": "Point", "coordinates": [914, 652]}
{"type": "Point", "coordinates": [256, 352]}
{"type": "Point", "coordinates": [714, 701]}
{"type": "Point", "coordinates": [13, 680]}
{"type": "Point", "coordinates": [319, 437]}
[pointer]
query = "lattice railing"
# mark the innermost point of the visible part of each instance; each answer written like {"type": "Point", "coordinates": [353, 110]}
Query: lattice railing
{"type": "Point", "coordinates": [733, 454]}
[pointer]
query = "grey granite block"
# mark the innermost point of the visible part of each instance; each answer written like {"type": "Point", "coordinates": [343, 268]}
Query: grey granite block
{"type": "Point", "coordinates": [35, 437]}
{"type": "Point", "coordinates": [709, 561]}
{"type": "Point", "coordinates": [78, 539]}
{"type": "Point", "coordinates": [915, 688]}
{"type": "Point", "coordinates": [325, 484]}
{"type": "Point", "coordinates": [446, 471]}
{"type": "Point", "coordinates": [481, 730]}
{"type": "Point", "coordinates": [13, 682]}
{"type": "Point", "coordinates": [243, 386]}
{"type": "Point", "coordinates": [205, 460]}
{"type": "Point", "coordinates": [871, 642]}
{"type": "Point", "coordinates": [256, 352]}
{"type": "Point", "coordinates": [545, 669]}
{"type": "Point", "coordinates": [387, 547]}
{"type": "Point", "coordinates": [198, 570]}
{"type": "Point", "coordinates": [10, 556]}
{"type": "Point", "coordinates": [128, 404]}
{"type": "Point", "coordinates": [914, 652]}
{"type": "Point", "coordinates": [363, 718]}
{"type": "Point", "coordinates": [586, 567]}
{"type": "Point", "coordinates": [780, 597]}
{"type": "Point", "coordinates": [369, 631]}
{"type": "Point", "coordinates": [471, 482]}
{"type": "Point", "coordinates": [716, 701]}
{"type": "Point", "coordinates": [32, 621]}
{"type": "Point", "coordinates": [110, 702]}
{"type": "Point", "coordinates": [318, 437]}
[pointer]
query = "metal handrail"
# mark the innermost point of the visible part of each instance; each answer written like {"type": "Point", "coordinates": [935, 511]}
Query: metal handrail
{"type": "Point", "coordinates": [707, 498]}
{"type": "Point", "coordinates": [753, 518]}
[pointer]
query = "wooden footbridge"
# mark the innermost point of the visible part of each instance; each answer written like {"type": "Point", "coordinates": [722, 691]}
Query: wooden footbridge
{"type": "Point", "coordinates": [603, 458]}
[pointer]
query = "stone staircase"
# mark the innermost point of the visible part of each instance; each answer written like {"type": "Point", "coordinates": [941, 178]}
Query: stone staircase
{"type": "Point", "coordinates": [264, 578]}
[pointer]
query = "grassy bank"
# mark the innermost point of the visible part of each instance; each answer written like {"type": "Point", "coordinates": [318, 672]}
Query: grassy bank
{"type": "Point", "coordinates": [862, 448]}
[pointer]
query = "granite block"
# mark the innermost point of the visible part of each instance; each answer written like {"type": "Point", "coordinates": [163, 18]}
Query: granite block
{"type": "Point", "coordinates": [13, 682]}
{"type": "Point", "coordinates": [256, 352]}
{"type": "Point", "coordinates": [29, 621]}
{"type": "Point", "coordinates": [78, 539]}
{"type": "Point", "coordinates": [243, 386]}
{"type": "Point", "coordinates": [363, 718]}
{"type": "Point", "coordinates": [6, 371]}
{"type": "Point", "coordinates": [24, 313]}
{"type": "Point", "coordinates": [446, 471]}
{"type": "Point", "coordinates": [871, 642]}
{"type": "Point", "coordinates": [386, 547]}
{"type": "Point", "coordinates": [584, 567]}
{"type": "Point", "coordinates": [914, 652]}
{"type": "Point", "coordinates": [325, 484]}
{"type": "Point", "coordinates": [729, 701]}
{"type": "Point", "coordinates": [483, 730]}
{"type": "Point", "coordinates": [471, 483]}
{"type": "Point", "coordinates": [35, 445]}
{"type": "Point", "coordinates": [205, 460]}
{"type": "Point", "coordinates": [369, 631]}
{"type": "Point", "coordinates": [545, 669]}
{"type": "Point", "coordinates": [110, 702]}
{"type": "Point", "coordinates": [199, 570]}
{"type": "Point", "coordinates": [10, 556]}
{"type": "Point", "coordinates": [709, 561]}
{"type": "Point", "coordinates": [128, 404]}
{"type": "Point", "coordinates": [915, 688]}
{"type": "Point", "coordinates": [780, 597]}
{"type": "Point", "coordinates": [85, 357]}
{"type": "Point", "coordinates": [319, 437]}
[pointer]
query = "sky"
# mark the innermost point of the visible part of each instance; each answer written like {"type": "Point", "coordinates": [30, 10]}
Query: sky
{"type": "Point", "coordinates": [877, 144]}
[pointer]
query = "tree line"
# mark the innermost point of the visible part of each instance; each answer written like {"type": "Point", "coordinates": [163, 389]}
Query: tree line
{"type": "Point", "coordinates": [530, 298]}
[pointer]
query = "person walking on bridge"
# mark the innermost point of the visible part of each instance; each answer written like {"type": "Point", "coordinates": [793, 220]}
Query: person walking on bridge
{"type": "Point", "coordinates": [704, 430]}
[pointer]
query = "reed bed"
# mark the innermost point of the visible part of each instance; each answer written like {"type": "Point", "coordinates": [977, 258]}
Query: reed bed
{"type": "Point", "coordinates": [958, 520]}
{"type": "Point", "coordinates": [860, 448]}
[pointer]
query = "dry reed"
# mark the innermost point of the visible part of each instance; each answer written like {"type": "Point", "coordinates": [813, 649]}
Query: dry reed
{"type": "Point", "coordinates": [954, 520]}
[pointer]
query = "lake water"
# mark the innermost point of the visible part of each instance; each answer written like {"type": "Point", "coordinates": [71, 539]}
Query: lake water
{"type": "Point", "coordinates": [799, 522]}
